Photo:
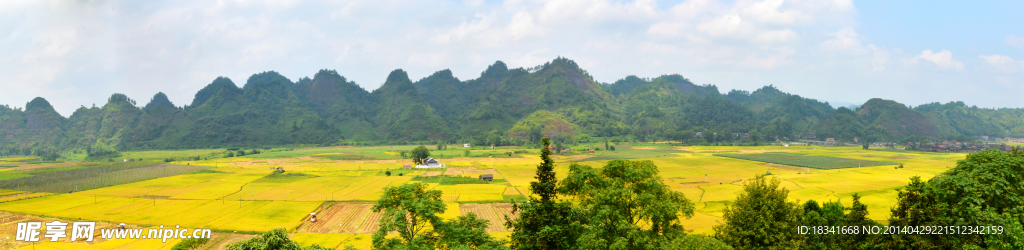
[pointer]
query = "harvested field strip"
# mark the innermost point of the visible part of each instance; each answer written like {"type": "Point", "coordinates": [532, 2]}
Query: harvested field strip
{"type": "Point", "coordinates": [503, 209]}
{"type": "Point", "coordinates": [343, 218]}
{"type": "Point", "coordinates": [814, 161]}
{"type": "Point", "coordinates": [353, 216]}
{"type": "Point", "coordinates": [371, 223]}
{"type": "Point", "coordinates": [494, 213]}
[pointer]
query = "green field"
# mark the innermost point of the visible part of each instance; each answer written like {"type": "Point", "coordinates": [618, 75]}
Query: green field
{"type": "Point", "coordinates": [812, 161]}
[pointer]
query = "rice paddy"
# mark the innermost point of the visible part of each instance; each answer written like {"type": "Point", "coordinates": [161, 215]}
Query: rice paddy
{"type": "Point", "coordinates": [341, 183]}
{"type": "Point", "coordinates": [813, 161]}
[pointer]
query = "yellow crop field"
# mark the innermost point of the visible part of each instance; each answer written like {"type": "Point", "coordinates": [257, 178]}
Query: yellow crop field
{"type": "Point", "coordinates": [231, 215]}
{"type": "Point", "coordinates": [324, 240]}
{"type": "Point", "coordinates": [4, 192]}
{"type": "Point", "coordinates": [242, 193]}
{"type": "Point", "coordinates": [265, 215]}
{"type": "Point", "coordinates": [451, 211]}
{"type": "Point", "coordinates": [472, 192]}
{"type": "Point", "coordinates": [715, 181]}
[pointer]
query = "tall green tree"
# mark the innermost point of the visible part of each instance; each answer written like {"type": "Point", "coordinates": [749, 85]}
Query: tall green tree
{"type": "Point", "coordinates": [628, 205]}
{"type": "Point", "coordinates": [546, 180]}
{"type": "Point", "coordinates": [544, 223]}
{"type": "Point", "coordinates": [761, 218]}
{"type": "Point", "coordinates": [410, 210]}
{"type": "Point", "coordinates": [419, 154]}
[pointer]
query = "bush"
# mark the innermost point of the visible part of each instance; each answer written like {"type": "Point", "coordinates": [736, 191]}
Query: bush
{"type": "Point", "coordinates": [191, 243]}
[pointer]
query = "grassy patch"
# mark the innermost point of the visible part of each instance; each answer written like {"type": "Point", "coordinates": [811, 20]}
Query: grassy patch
{"type": "Point", "coordinates": [40, 162]}
{"type": "Point", "coordinates": [514, 198]}
{"type": "Point", "coordinates": [453, 180]}
{"type": "Point", "coordinates": [284, 177]}
{"type": "Point", "coordinates": [812, 161]}
{"type": "Point", "coordinates": [207, 171]}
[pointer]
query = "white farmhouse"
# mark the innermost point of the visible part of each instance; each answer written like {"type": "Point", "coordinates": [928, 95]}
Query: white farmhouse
{"type": "Point", "coordinates": [430, 163]}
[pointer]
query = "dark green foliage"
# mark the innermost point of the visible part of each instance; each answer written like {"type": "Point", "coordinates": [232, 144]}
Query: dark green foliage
{"type": "Point", "coordinates": [402, 114]}
{"type": "Point", "coordinates": [276, 239]}
{"type": "Point", "coordinates": [159, 100]}
{"type": "Point", "coordinates": [466, 232]}
{"type": "Point", "coordinates": [627, 206]}
{"type": "Point", "coordinates": [833, 214]}
{"type": "Point", "coordinates": [546, 181]}
{"type": "Point", "coordinates": [696, 241]}
{"type": "Point", "coordinates": [419, 154]}
{"type": "Point", "coordinates": [877, 120]}
{"type": "Point", "coordinates": [190, 243]}
{"type": "Point", "coordinates": [985, 189]}
{"type": "Point", "coordinates": [410, 210]}
{"type": "Point", "coordinates": [544, 223]}
{"type": "Point", "coordinates": [770, 104]}
{"type": "Point", "coordinates": [761, 218]}
{"type": "Point", "coordinates": [625, 85]}
{"type": "Point", "coordinates": [957, 119]}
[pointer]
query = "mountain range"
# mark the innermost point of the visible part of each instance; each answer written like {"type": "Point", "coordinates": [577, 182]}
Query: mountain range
{"type": "Point", "coordinates": [502, 106]}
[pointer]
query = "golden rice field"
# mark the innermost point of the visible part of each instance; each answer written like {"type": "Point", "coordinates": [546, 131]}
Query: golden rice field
{"type": "Point", "coordinates": [241, 194]}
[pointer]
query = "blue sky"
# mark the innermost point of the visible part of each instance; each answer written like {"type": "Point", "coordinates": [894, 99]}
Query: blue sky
{"type": "Point", "coordinates": [78, 53]}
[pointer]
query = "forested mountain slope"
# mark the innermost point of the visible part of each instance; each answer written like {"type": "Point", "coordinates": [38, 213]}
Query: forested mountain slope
{"type": "Point", "coordinates": [503, 106]}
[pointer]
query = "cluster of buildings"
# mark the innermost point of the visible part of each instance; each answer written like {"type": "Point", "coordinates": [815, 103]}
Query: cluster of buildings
{"type": "Point", "coordinates": [428, 163]}
{"type": "Point", "coordinates": [1004, 139]}
{"type": "Point", "coordinates": [955, 146]}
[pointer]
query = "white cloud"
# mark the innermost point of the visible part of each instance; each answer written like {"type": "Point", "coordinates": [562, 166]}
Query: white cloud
{"type": "Point", "coordinates": [844, 39]}
{"type": "Point", "coordinates": [767, 62]}
{"type": "Point", "coordinates": [769, 12]}
{"type": "Point", "coordinates": [943, 59]}
{"type": "Point", "coordinates": [522, 26]}
{"type": "Point", "coordinates": [1003, 63]}
{"type": "Point", "coordinates": [879, 57]}
{"type": "Point", "coordinates": [1015, 41]}
{"type": "Point", "coordinates": [667, 29]}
